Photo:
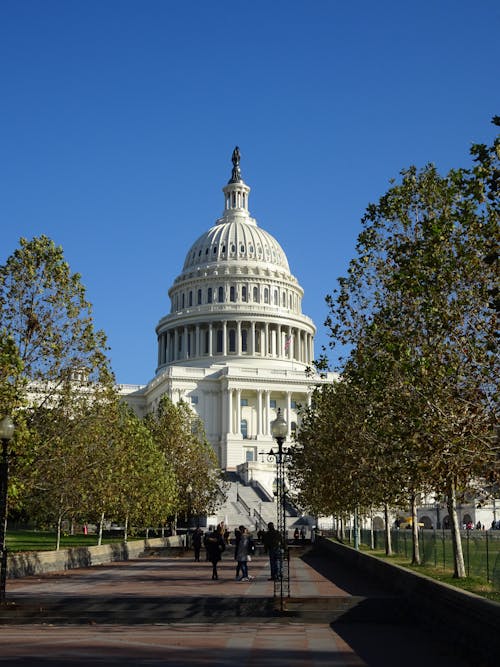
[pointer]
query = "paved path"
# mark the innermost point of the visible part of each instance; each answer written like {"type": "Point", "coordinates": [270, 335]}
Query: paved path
{"type": "Point", "coordinates": [167, 611]}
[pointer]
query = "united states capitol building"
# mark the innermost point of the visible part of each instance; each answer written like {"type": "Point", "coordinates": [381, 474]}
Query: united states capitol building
{"type": "Point", "coordinates": [235, 344]}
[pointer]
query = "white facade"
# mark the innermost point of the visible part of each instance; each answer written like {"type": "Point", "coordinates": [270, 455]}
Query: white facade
{"type": "Point", "coordinates": [235, 344]}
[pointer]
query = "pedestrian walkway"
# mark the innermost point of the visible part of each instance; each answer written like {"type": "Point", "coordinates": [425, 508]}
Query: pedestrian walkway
{"type": "Point", "coordinates": [168, 611]}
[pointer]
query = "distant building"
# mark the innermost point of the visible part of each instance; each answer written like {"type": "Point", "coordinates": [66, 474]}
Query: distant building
{"type": "Point", "coordinates": [235, 344]}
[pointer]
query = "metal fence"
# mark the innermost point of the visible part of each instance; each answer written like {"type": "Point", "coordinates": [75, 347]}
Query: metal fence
{"type": "Point", "coordinates": [481, 549]}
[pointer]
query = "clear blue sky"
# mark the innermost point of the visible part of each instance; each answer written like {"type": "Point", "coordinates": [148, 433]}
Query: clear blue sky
{"type": "Point", "coordinates": [118, 119]}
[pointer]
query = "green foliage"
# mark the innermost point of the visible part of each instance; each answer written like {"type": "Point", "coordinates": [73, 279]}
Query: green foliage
{"type": "Point", "coordinates": [417, 309]}
{"type": "Point", "coordinates": [179, 434]}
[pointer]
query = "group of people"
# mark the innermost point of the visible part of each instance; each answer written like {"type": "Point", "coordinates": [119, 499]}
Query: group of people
{"type": "Point", "coordinates": [215, 543]}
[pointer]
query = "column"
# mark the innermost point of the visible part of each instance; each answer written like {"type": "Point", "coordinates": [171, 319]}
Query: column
{"type": "Point", "coordinates": [210, 340]}
{"type": "Point", "coordinates": [252, 339]}
{"type": "Point", "coordinates": [266, 339]}
{"type": "Point", "coordinates": [166, 351]}
{"type": "Point", "coordinates": [238, 411]}
{"type": "Point", "coordinates": [176, 344]}
{"type": "Point", "coordinates": [224, 338]}
{"type": "Point", "coordinates": [186, 343]}
{"type": "Point", "coordinates": [230, 411]}
{"type": "Point", "coordinates": [288, 412]}
{"type": "Point", "coordinates": [259, 411]}
{"type": "Point", "coordinates": [238, 339]}
{"type": "Point", "coordinates": [198, 346]}
{"type": "Point", "coordinates": [267, 412]}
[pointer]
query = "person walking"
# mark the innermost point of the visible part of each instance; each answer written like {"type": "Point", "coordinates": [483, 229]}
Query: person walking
{"type": "Point", "coordinates": [197, 541]}
{"type": "Point", "coordinates": [273, 547]}
{"type": "Point", "coordinates": [237, 537]}
{"type": "Point", "coordinates": [215, 546]}
{"type": "Point", "coordinates": [243, 553]}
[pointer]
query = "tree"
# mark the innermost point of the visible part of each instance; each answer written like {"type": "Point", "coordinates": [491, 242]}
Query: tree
{"type": "Point", "coordinates": [420, 290]}
{"type": "Point", "coordinates": [179, 434]}
{"type": "Point", "coordinates": [45, 314]}
{"type": "Point", "coordinates": [58, 362]}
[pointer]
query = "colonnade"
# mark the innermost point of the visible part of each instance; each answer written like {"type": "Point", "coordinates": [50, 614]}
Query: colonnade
{"type": "Point", "coordinates": [261, 402]}
{"type": "Point", "coordinates": [234, 337]}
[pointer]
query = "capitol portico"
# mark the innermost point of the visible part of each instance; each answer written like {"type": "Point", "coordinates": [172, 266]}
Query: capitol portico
{"type": "Point", "coordinates": [234, 344]}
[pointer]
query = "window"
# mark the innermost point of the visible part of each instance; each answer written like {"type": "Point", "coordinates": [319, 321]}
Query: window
{"type": "Point", "coordinates": [209, 295]}
{"type": "Point", "coordinates": [221, 295]}
{"type": "Point", "coordinates": [219, 341]}
{"type": "Point", "coordinates": [272, 403]}
{"type": "Point", "coordinates": [194, 400]}
{"type": "Point", "coordinates": [249, 455]}
{"type": "Point", "coordinates": [190, 298]}
{"type": "Point", "coordinates": [266, 295]}
{"type": "Point", "coordinates": [244, 428]}
{"type": "Point", "coordinates": [232, 340]}
{"type": "Point", "coordinates": [243, 293]}
{"type": "Point", "coordinates": [276, 299]}
{"type": "Point", "coordinates": [207, 340]}
{"type": "Point", "coordinates": [183, 300]}
{"type": "Point", "coordinates": [244, 338]}
{"type": "Point", "coordinates": [293, 427]}
{"type": "Point", "coordinates": [293, 404]}
{"type": "Point", "coordinates": [232, 294]}
{"type": "Point", "coordinates": [243, 402]}
{"type": "Point", "coordinates": [256, 295]}
{"type": "Point", "coordinates": [199, 297]}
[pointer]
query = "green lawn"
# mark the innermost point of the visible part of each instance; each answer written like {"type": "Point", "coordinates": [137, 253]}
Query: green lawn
{"type": "Point", "coordinates": [473, 584]}
{"type": "Point", "coordinates": [41, 540]}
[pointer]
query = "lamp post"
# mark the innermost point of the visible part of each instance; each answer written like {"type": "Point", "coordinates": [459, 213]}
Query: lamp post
{"type": "Point", "coordinates": [6, 433]}
{"type": "Point", "coordinates": [279, 430]}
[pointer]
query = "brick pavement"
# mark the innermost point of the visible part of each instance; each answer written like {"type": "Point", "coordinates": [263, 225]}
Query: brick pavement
{"type": "Point", "coordinates": [168, 611]}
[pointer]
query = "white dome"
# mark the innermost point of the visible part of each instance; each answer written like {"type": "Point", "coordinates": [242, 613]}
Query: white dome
{"type": "Point", "coordinates": [237, 239]}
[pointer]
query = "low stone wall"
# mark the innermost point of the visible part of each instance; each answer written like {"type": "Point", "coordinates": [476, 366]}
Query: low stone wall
{"type": "Point", "coordinates": [22, 564]}
{"type": "Point", "coordinates": [464, 619]}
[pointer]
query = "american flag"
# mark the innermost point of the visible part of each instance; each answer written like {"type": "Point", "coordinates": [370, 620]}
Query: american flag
{"type": "Point", "coordinates": [288, 340]}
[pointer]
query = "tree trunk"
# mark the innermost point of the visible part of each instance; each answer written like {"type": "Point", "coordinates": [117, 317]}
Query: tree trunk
{"type": "Point", "coordinates": [456, 538]}
{"type": "Point", "coordinates": [415, 555]}
{"type": "Point", "coordinates": [58, 536]}
{"type": "Point", "coordinates": [101, 524]}
{"type": "Point", "coordinates": [388, 538]}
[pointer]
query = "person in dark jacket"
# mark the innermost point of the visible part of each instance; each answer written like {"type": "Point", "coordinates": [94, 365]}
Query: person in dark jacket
{"type": "Point", "coordinates": [274, 547]}
{"type": "Point", "coordinates": [243, 552]}
{"type": "Point", "coordinates": [197, 540]}
{"type": "Point", "coordinates": [215, 546]}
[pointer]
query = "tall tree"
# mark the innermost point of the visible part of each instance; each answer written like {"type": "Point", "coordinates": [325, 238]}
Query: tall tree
{"type": "Point", "coordinates": [420, 289]}
{"type": "Point", "coordinates": [180, 435]}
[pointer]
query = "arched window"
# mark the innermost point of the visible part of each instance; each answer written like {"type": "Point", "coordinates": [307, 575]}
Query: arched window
{"type": "Point", "coordinates": [209, 295]}
{"type": "Point", "coordinates": [276, 300]}
{"type": "Point", "coordinates": [220, 298]}
{"type": "Point", "coordinates": [190, 297]}
{"type": "Point", "coordinates": [219, 341]}
{"type": "Point", "coordinates": [199, 297]}
{"type": "Point", "coordinates": [266, 295]}
{"type": "Point", "coordinates": [244, 339]}
{"type": "Point", "coordinates": [244, 293]}
{"type": "Point", "coordinates": [256, 294]}
{"type": "Point", "coordinates": [183, 299]}
{"type": "Point", "coordinates": [244, 428]}
{"type": "Point", "coordinates": [232, 294]}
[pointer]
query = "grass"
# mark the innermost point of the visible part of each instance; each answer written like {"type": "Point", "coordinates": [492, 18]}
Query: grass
{"type": "Point", "coordinates": [472, 584]}
{"type": "Point", "coordinates": [41, 540]}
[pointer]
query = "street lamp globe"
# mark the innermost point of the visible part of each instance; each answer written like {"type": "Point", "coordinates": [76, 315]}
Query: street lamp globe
{"type": "Point", "coordinates": [279, 427]}
{"type": "Point", "coordinates": [6, 428]}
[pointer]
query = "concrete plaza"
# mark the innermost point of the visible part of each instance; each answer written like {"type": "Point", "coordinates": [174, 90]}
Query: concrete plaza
{"type": "Point", "coordinates": [167, 611]}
